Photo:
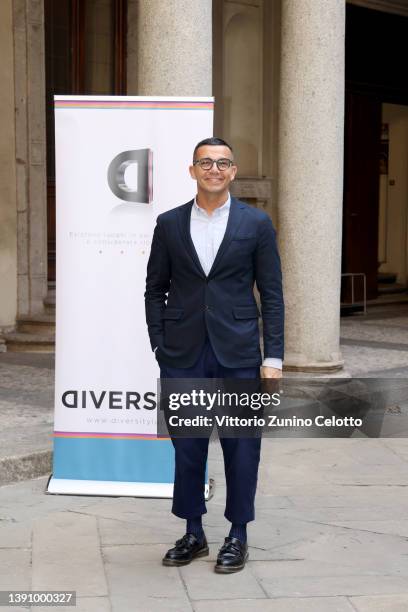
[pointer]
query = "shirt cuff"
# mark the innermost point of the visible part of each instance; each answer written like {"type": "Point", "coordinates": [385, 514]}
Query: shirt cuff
{"type": "Point", "coordinates": [272, 362]}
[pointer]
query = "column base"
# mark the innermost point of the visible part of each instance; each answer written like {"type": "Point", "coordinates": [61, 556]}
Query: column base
{"type": "Point", "coordinates": [294, 363]}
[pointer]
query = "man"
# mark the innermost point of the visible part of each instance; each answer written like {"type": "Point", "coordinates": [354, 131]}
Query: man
{"type": "Point", "coordinates": [202, 319]}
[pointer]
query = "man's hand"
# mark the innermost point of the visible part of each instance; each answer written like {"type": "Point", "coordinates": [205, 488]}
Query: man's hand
{"type": "Point", "coordinates": [270, 372]}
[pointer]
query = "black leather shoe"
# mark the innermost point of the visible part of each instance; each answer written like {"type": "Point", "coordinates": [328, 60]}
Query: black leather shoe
{"type": "Point", "coordinates": [232, 556]}
{"type": "Point", "coordinates": [185, 550]}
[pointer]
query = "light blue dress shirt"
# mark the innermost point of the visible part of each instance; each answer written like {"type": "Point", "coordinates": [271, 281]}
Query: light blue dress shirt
{"type": "Point", "coordinates": [207, 232]}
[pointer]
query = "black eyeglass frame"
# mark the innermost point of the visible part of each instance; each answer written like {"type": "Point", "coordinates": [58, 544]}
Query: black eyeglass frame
{"type": "Point", "coordinates": [198, 162]}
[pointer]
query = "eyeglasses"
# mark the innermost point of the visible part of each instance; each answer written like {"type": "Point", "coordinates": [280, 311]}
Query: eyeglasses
{"type": "Point", "coordinates": [207, 163]}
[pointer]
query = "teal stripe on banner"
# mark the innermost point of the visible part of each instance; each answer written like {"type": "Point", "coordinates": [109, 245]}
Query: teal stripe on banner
{"type": "Point", "coordinates": [118, 460]}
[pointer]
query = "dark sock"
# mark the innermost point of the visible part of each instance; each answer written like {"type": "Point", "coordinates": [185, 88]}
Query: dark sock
{"type": "Point", "coordinates": [238, 531]}
{"type": "Point", "coordinates": [195, 527]}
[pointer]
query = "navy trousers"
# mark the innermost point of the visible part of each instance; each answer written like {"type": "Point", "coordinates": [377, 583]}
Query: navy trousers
{"type": "Point", "coordinates": [241, 455]}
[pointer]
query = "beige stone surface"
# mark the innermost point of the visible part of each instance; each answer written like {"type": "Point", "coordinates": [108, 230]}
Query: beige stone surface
{"type": "Point", "coordinates": [382, 603]}
{"type": "Point", "coordinates": [15, 569]}
{"type": "Point", "coordinates": [330, 533]}
{"type": "Point", "coordinates": [324, 536]}
{"type": "Point", "coordinates": [27, 30]}
{"type": "Point", "coordinates": [174, 48]}
{"type": "Point", "coordinates": [132, 47]}
{"type": "Point", "coordinates": [8, 211]}
{"type": "Point", "coordinates": [311, 178]}
{"type": "Point", "coordinates": [67, 556]}
{"type": "Point", "coordinates": [83, 604]}
{"type": "Point", "coordinates": [287, 604]}
{"type": "Point", "coordinates": [203, 583]}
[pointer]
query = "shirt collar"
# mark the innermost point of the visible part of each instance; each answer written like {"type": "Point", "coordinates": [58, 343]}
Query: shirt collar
{"type": "Point", "coordinates": [223, 209]}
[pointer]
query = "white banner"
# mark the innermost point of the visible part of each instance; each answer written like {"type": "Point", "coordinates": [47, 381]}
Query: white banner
{"type": "Point", "coordinates": [120, 161]}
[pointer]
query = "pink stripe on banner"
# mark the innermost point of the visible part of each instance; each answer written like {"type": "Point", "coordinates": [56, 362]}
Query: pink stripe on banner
{"type": "Point", "coordinates": [110, 104]}
{"type": "Point", "coordinates": [94, 434]}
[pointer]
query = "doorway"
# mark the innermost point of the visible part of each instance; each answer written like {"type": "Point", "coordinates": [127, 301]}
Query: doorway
{"type": "Point", "coordinates": [376, 153]}
{"type": "Point", "coordinates": [85, 53]}
{"type": "Point", "coordinates": [393, 200]}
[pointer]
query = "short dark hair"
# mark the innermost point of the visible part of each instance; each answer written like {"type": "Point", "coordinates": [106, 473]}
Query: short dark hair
{"type": "Point", "coordinates": [213, 142]}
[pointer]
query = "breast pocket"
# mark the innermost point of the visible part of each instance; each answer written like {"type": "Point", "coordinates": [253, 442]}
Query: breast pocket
{"type": "Point", "coordinates": [244, 237]}
{"type": "Point", "coordinates": [243, 245]}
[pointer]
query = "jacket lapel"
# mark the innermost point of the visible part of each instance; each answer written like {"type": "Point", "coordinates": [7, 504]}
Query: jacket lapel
{"type": "Point", "coordinates": [184, 218]}
{"type": "Point", "coordinates": [234, 221]}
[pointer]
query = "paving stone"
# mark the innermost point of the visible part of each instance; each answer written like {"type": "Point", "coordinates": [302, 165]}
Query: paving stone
{"type": "Point", "coordinates": [27, 500]}
{"type": "Point", "coordinates": [390, 527]}
{"type": "Point", "coordinates": [362, 361]}
{"type": "Point", "coordinates": [385, 334]}
{"type": "Point", "coordinates": [346, 513]}
{"type": "Point", "coordinates": [83, 604]}
{"type": "Point", "coordinates": [396, 321]}
{"type": "Point", "coordinates": [357, 464]}
{"type": "Point", "coordinates": [130, 578]}
{"type": "Point", "coordinates": [384, 603]}
{"type": "Point", "coordinates": [136, 553]}
{"type": "Point", "coordinates": [15, 535]}
{"type": "Point", "coordinates": [359, 550]}
{"type": "Point", "coordinates": [290, 604]}
{"type": "Point", "coordinates": [312, 568]}
{"type": "Point", "coordinates": [130, 509]}
{"type": "Point", "coordinates": [330, 532]}
{"type": "Point", "coordinates": [378, 496]}
{"type": "Point", "coordinates": [203, 583]}
{"type": "Point", "coordinates": [148, 532]}
{"type": "Point", "coordinates": [66, 555]}
{"type": "Point", "coordinates": [135, 603]}
{"type": "Point", "coordinates": [15, 570]}
{"type": "Point", "coordinates": [328, 586]}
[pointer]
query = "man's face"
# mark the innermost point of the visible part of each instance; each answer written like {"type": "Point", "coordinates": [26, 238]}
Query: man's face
{"type": "Point", "coordinates": [213, 181]}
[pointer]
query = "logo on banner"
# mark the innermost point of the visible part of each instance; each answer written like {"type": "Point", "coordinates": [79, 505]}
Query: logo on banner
{"type": "Point", "coordinates": [74, 398]}
{"type": "Point", "coordinates": [130, 176]}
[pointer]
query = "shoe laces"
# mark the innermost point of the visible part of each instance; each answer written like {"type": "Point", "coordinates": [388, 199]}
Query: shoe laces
{"type": "Point", "coordinates": [231, 547]}
{"type": "Point", "coordinates": [185, 540]}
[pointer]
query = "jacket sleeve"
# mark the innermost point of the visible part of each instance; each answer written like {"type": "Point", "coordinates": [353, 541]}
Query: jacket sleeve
{"type": "Point", "coordinates": [157, 285]}
{"type": "Point", "coordinates": [268, 277]}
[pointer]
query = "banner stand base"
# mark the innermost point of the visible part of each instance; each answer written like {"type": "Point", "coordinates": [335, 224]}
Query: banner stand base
{"type": "Point", "coordinates": [110, 488]}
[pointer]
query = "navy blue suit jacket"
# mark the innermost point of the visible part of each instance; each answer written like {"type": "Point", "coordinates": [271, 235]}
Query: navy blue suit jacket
{"type": "Point", "coordinates": [182, 302]}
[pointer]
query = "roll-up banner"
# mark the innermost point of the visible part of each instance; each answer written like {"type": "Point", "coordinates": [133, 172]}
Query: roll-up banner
{"type": "Point", "coordinates": [120, 161]}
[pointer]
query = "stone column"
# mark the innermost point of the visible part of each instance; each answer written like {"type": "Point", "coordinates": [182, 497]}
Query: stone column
{"type": "Point", "coordinates": [29, 78]}
{"type": "Point", "coordinates": [175, 48]}
{"type": "Point", "coordinates": [310, 179]}
{"type": "Point", "coordinates": [8, 206]}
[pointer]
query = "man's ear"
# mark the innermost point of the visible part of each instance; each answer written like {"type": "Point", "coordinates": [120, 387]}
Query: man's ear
{"type": "Point", "coordinates": [192, 172]}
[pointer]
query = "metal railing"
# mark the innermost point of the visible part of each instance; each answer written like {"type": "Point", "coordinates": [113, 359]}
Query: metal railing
{"type": "Point", "coordinates": [353, 302]}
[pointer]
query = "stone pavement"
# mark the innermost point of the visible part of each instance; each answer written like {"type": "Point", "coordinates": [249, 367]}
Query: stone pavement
{"type": "Point", "coordinates": [26, 413]}
{"type": "Point", "coordinates": [330, 535]}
